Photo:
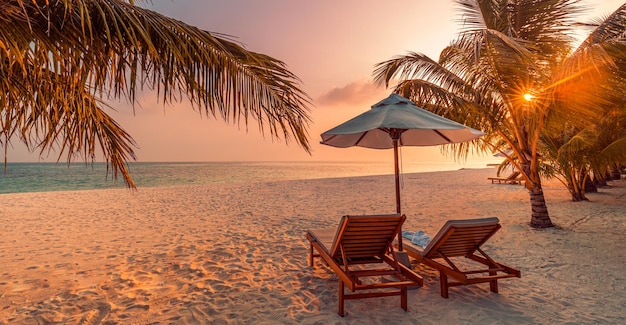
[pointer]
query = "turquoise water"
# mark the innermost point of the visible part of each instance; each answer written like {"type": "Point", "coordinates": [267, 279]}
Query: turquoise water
{"type": "Point", "coordinates": [44, 177]}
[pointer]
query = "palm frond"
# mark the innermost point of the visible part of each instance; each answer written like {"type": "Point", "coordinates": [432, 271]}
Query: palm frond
{"type": "Point", "coordinates": [616, 150]}
{"type": "Point", "coordinates": [572, 148]}
{"type": "Point", "coordinates": [112, 49]}
{"type": "Point", "coordinates": [72, 124]}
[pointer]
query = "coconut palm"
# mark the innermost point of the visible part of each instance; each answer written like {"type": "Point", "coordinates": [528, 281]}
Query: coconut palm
{"type": "Point", "coordinates": [571, 158]}
{"type": "Point", "coordinates": [580, 158]}
{"type": "Point", "coordinates": [595, 147]}
{"type": "Point", "coordinates": [62, 61]}
{"type": "Point", "coordinates": [512, 73]}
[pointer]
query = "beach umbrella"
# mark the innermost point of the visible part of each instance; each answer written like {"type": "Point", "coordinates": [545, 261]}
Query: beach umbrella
{"type": "Point", "coordinates": [393, 122]}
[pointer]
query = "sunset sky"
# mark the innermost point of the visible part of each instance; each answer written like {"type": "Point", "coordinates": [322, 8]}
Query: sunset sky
{"type": "Point", "coordinates": [332, 46]}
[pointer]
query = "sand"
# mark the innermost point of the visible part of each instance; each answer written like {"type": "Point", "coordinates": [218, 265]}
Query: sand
{"type": "Point", "coordinates": [236, 254]}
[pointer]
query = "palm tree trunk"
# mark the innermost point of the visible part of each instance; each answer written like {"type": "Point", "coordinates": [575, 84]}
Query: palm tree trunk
{"type": "Point", "coordinates": [540, 217]}
{"type": "Point", "coordinates": [616, 173]}
{"type": "Point", "coordinates": [578, 179]}
{"type": "Point", "coordinates": [590, 186]}
{"type": "Point", "coordinates": [599, 179]}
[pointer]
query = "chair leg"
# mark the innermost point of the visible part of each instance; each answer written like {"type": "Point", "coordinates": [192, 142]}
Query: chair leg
{"type": "Point", "coordinates": [493, 285]}
{"type": "Point", "coordinates": [311, 254]}
{"type": "Point", "coordinates": [340, 298]}
{"type": "Point", "coordinates": [403, 298]}
{"type": "Point", "coordinates": [443, 279]}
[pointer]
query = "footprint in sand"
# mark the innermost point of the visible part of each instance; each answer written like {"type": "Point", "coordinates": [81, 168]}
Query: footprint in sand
{"type": "Point", "coordinates": [95, 316]}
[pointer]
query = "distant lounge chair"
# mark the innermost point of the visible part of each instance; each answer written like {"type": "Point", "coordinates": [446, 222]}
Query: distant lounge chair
{"type": "Point", "coordinates": [365, 241]}
{"type": "Point", "coordinates": [463, 238]}
{"type": "Point", "coordinates": [514, 178]}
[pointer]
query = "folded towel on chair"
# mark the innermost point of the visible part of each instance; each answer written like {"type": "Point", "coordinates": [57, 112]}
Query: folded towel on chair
{"type": "Point", "coordinates": [419, 238]}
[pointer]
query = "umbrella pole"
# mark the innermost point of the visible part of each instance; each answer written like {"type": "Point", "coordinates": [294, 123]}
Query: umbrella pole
{"type": "Point", "coordinates": [397, 174]}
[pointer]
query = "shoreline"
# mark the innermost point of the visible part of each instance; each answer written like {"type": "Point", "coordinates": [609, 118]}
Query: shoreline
{"type": "Point", "coordinates": [51, 177]}
{"type": "Point", "coordinates": [236, 253]}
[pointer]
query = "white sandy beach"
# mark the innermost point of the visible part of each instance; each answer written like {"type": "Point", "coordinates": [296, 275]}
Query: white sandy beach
{"type": "Point", "coordinates": [236, 254]}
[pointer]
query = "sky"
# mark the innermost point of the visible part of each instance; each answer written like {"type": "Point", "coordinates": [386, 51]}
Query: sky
{"type": "Point", "coordinates": [332, 46]}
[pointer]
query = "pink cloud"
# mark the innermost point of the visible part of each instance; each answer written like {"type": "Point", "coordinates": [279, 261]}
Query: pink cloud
{"type": "Point", "coordinates": [357, 92]}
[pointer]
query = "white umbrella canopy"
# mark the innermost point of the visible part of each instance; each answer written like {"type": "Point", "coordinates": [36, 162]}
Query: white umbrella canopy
{"type": "Point", "coordinates": [393, 122]}
{"type": "Point", "coordinates": [415, 126]}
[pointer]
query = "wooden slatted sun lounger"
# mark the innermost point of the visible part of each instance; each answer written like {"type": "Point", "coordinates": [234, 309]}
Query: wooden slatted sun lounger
{"type": "Point", "coordinates": [463, 239]}
{"type": "Point", "coordinates": [360, 252]}
{"type": "Point", "coordinates": [514, 178]}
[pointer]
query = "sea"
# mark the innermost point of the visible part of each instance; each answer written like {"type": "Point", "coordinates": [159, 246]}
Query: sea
{"type": "Point", "coordinates": [46, 177]}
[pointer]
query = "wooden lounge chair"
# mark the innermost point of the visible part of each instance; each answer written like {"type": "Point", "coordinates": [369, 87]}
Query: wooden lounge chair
{"type": "Point", "coordinates": [514, 178]}
{"type": "Point", "coordinates": [360, 252]}
{"type": "Point", "coordinates": [457, 242]}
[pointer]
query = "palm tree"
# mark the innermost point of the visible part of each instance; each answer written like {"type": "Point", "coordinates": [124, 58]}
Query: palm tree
{"type": "Point", "coordinates": [62, 61]}
{"type": "Point", "coordinates": [579, 157]}
{"type": "Point", "coordinates": [512, 73]}
{"type": "Point", "coordinates": [580, 151]}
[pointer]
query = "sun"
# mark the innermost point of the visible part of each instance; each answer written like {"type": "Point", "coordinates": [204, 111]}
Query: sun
{"type": "Point", "coordinates": [528, 97]}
